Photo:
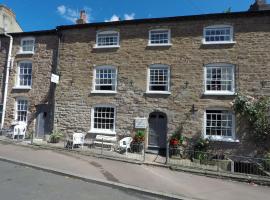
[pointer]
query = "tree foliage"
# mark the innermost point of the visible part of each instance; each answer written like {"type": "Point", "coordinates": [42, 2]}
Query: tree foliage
{"type": "Point", "coordinates": [256, 112]}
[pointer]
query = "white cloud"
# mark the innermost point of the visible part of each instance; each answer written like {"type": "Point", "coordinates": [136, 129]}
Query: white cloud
{"type": "Point", "coordinates": [61, 9]}
{"type": "Point", "coordinates": [114, 18]}
{"type": "Point", "coordinates": [129, 16]}
{"type": "Point", "coordinates": [71, 14]}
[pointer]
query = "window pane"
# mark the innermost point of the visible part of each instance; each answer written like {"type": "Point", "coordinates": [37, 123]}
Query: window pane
{"type": "Point", "coordinates": [159, 37]}
{"type": "Point", "coordinates": [105, 79]}
{"type": "Point", "coordinates": [25, 74]}
{"type": "Point", "coordinates": [159, 79]}
{"type": "Point", "coordinates": [219, 78]}
{"type": "Point", "coordinates": [218, 34]}
{"type": "Point", "coordinates": [218, 123]}
{"type": "Point", "coordinates": [104, 118]}
{"type": "Point", "coordinates": [107, 39]}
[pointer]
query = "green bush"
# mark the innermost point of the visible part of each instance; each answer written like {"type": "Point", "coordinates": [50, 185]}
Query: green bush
{"type": "Point", "coordinates": [56, 136]}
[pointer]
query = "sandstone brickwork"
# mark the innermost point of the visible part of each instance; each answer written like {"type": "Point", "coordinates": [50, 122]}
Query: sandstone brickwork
{"type": "Point", "coordinates": [186, 58]}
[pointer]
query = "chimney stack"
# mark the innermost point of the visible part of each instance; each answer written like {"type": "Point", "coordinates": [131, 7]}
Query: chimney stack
{"type": "Point", "coordinates": [82, 19]}
{"type": "Point", "coordinates": [259, 5]}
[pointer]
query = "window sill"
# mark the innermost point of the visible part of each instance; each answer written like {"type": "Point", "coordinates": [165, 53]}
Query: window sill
{"type": "Point", "coordinates": [106, 47]}
{"type": "Point", "coordinates": [160, 45]}
{"type": "Point", "coordinates": [25, 53]}
{"type": "Point", "coordinates": [158, 92]}
{"type": "Point", "coordinates": [104, 132]}
{"type": "Point", "coordinates": [103, 92]}
{"type": "Point", "coordinates": [22, 88]}
{"type": "Point", "coordinates": [213, 43]}
{"type": "Point", "coordinates": [221, 139]}
{"type": "Point", "coordinates": [219, 93]}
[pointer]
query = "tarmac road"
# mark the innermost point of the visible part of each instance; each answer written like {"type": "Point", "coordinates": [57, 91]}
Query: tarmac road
{"type": "Point", "coordinates": [23, 183]}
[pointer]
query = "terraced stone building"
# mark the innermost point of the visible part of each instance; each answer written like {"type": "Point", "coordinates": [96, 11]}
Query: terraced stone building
{"type": "Point", "coordinates": [160, 74]}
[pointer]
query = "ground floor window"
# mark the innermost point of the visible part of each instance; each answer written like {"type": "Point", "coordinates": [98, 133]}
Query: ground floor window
{"type": "Point", "coordinates": [103, 119]}
{"type": "Point", "coordinates": [21, 110]}
{"type": "Point", "coordinates": [219, 124]}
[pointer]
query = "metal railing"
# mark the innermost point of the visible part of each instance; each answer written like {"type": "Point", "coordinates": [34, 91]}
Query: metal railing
{"type": "Point", "coordinates": [219, 162]}
{"type": "Point", "coordinates": [136, 151]}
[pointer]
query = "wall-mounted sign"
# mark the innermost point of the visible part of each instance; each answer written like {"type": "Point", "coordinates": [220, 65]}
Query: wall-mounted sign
{"type": "Point", "coordinates": [55, 78]}
{"type": "Point", "coordinates": [140, 123]}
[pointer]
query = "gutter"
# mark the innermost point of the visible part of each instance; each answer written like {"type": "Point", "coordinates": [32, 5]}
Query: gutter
{"type": "Point", "coordinates": [6, 79]}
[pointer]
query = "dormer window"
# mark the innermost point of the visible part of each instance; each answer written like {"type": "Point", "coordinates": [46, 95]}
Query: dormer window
{"type": "Point", "coordinates": [107, 39]}
{"type": "Point", "coordinates": [27, 45]}
{"type": "Point", "coordinates": [159, 37]}
{"type": "Point", "coordinates": [219, 34]}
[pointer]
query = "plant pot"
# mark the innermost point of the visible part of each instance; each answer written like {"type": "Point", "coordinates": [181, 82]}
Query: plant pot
{"type": "Point", "coordinates": [136, 147]}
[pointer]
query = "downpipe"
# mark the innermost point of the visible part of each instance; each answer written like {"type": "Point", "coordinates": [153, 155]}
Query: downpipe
{"type": "Point", "coordinates": [6, 79]}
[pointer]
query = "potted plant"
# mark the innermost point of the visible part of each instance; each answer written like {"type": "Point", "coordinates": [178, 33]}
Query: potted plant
{"type": "Point", "coordinates": [138, 141]}
{"type": "Point", "coordinates": [55, 136]}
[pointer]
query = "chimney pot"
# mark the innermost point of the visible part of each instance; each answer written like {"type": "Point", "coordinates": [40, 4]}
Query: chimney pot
{"type": "Point", "coordinates": [82, 19]}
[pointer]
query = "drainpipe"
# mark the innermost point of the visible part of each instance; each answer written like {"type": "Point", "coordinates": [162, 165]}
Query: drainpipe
{"type": "Point", "coordinates": [6, 78]}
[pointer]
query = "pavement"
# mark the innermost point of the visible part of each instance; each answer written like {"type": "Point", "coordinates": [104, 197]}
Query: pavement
{"type": "Point", "coordinates": [24, 183]}
{"type": "Point", "coordinates": [161, 180]}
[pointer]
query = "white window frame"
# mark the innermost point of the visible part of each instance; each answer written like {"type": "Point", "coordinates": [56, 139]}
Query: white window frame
{"type": "Point", "coordinates": [27, 39]}
{"type": "Point", "coordinates": [94, 79]}
{"type": "Point", "coordinates": [161, 44]}
{"type": "Point", "coordinates": [107, 46]}
{"type": "Point", "coordinates": [219, 137]}
{"type": "Point", "coordinates": [231, 41]}
{"type": "Point", "coordinates": [219, 92]}
{"type": "Point", "coordinates": [18, 86]}
{"type": "Point", "coordinates": [157, 66]}
{"type": "Point", "coordinates": [102, 131]}
{"type": "Point", "coordinates": [16, 108]}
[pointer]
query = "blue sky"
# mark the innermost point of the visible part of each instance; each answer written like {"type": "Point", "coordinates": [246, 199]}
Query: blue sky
{"type": "Point", "coordinates": [47, 14]}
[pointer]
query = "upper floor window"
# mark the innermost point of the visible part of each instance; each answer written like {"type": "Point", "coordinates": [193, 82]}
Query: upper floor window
{"type": "Point", "coordinates": [218, 34]}
{"type": "Point", "coordinates": [107, 39]}
{"type": "Point", "coordinates": [21, 110]}
{"type": "Point", "coordinates": [105, 79]}
{"type": "Point", "coordinates": [24, 77]}
{"type": "Point", "coordinates": [159, 37]}
{"type": "Point", "coordinates": [158, 79]}
{"type": "Point", "coordinates": [27, 45]}
{"type": "Point", "coordinates": [103, 119]}
{"type": "Point", "coordinates": [219, 124]}
{"type": "Point", "coordinates": [219, 79]}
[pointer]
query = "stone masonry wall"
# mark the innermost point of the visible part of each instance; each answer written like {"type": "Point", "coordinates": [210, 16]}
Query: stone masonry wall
{"type": "Point", "coordinates": [186, 58]}
{"type": "Point", "coordinates": [42, 62]}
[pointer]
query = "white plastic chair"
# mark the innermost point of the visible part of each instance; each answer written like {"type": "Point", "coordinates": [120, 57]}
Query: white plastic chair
{"type": "Point", "coordinates": [19, 130]}
{"type": "Point", "coordinates": [125, 143]}
{"type": "Point", "coordinates": [78, 139]}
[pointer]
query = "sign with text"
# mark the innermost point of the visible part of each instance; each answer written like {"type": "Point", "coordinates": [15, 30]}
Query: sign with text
{"type": "Point", "coordinates": [55, 78]}
{"type": "Point", "coordinates": [140, 123]}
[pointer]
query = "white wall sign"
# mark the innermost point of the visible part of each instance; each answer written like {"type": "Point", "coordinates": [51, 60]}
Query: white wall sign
{"type": "Point", "coordinates": [55, 78]}
{"type": "Point", "coordinates": [140, 123]}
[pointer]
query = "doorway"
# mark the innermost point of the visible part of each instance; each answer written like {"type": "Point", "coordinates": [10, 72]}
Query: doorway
{"type": "Point", "coordinates": [157, 131]}
{"type": "Point", "coordinates": [43, 119]}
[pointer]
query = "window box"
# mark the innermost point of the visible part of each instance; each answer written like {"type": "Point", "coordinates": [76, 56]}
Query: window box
{"type": "Point", "coordinates": [218, 34]}
{"type": "Point", "coordinates": [159, 37]}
